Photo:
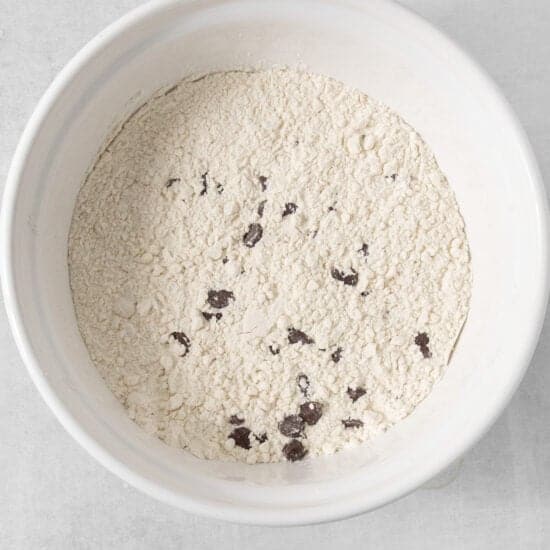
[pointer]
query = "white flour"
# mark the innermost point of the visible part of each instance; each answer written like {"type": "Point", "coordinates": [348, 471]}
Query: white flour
{"type": "Point", "coordinates": [361, 247]}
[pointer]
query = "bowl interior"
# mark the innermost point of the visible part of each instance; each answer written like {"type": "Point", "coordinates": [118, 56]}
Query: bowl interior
{"type": "Point", "coordinates": [382, 50]}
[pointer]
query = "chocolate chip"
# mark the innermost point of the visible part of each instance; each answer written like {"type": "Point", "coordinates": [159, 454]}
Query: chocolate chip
{"type": "Point", "coordinates": [311, 412]}
{"type": "Point", "coordinates": [171, 182]}
{"type": "Point", "coordinates": [261, 438]}
{"type": "Point", "coordinates": [261, 208]}
{"type": "Point", "coordinates": [294, 450]}
{"type": "Point", "coordinates": [393, 177]}
{"type": "Point", "coordinates": [295, 336]}
{"type": "Point", "coordinates": [365, 293]}
{"type": "Point", "coordinates": [422, 341]}
{"type": "Point", "coordinates": [204, 184]}
{"type": "Point", "coordinates": [219, 298]}
{"type": "Point", "coordinates": [331, 208]}
{"type": "Point", "coordinates": [241, 436]}
{"type": "Point", "coordinates": [336, 355]}
{"type": "Point", "coordinates": [355, 394]}
{"type": "Point", "coordinates": [303, 383]}
{"type": "Point", "coordinates": [225, 260]}
{"type": "Point", "coordinates": [364, 250]}
{"type": "Point", "coordinates": [219, 188]}
{"type": "Point", "coordinates": [181, 338]}
{"type": "Point", "coordinates": [207, 315]}
{"type": "Point", "coordinates": [253, 235]}
{"type": "Point", "coordinates": [352, 423]}
{"type": "Point", "coordinates": [275, 350]}
{"type": "Point", "coordinates": [263, 182]}
{"type": "Point", "coordinates": [292, 426]}
{"type": "Point", "coordinates": [235, 420]}
{"type": "Point", "coordinates": [290, 208]}
{"type": "Point", "coordinates": [350, 279]}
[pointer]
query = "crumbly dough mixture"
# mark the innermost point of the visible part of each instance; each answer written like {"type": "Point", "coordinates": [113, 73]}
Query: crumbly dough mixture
{"type": "Point", "coordinates": [268, 265]}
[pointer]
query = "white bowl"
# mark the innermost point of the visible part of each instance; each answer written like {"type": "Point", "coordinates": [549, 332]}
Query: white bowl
{"type": "Point", "coordinates": [388, 53]}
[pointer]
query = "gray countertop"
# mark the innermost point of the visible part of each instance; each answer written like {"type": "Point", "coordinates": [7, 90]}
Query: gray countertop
{"type": "Point", "coordinates": [54, 495]}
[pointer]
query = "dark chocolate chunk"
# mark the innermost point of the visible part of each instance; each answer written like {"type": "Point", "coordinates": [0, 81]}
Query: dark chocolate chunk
{"type": "Point", "coordinates": [241, 436]}
{"type": "Point", "coordinates": [364, 250]}
{"type": "Point", "coordinates": [303, 383]}
{"type": "Point", "coordinates": [355, 394]}
{"type": "Point", "coordinates": [295, 336]}
{"type": "Point", "coordinates": [261, 438]}
{"type": "Point", "coordinates": [207, 315]}
{"type": "Point", "coordinates": [365, 293]}
{"type": "Point", "coordinates": [274, 349]}
{"type": "Point", "coordinates": [290, 208]}
{"type": "Point", "coordinates": [331, 208]}
{"type": "Point", "coordinates": [311, 412]}
{"type": "Point", "coordinates": [225, 260]}
{"type": "Point", "coordinates": [292, 426]}
{"type": "Point", "coordinates": [350, 279]}
{"type": "Point", "coordinates": [253, 235]}
{"type": "Point", "coordinates": [171, 182]}
{"type": "Point", "coordinates": [181, 338]}
{"type": "Point", "coordinates": [263, 182]}
{"type": "Point", "coordinates": [294, 450]}
{"type": "Point", "coordinates": [261, 208]}
{"type": "Point", "coordinates": [352, 423]}
{"type": "Point", "coordinates": [422, 341]}
{"type": "Point", "coordinates": [336, 355]}
{"type": "Point", "coordinates": [204, 184]}
{"type": "Point", "coordinates": [219, 298]}
{"type": "Point", "coordinates": [235, 420]}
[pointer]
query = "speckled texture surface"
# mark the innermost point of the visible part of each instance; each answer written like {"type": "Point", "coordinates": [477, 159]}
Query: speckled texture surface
{"type": "Point", "coordinates": [54, 495]}
{"type": "Point", "coordinates": [146, 258]}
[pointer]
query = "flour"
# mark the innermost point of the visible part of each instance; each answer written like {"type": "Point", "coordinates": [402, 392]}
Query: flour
{"type": "Point", "coordinates": [268, 265]}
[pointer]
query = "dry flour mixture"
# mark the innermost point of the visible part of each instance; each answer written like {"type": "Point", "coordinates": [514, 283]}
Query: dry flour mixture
{"type": "Point", "coordinates": [268, 265]}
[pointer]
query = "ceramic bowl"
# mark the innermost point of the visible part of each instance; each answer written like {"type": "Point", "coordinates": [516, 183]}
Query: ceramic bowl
{"type": "Point", "coordinates": [386, 52]}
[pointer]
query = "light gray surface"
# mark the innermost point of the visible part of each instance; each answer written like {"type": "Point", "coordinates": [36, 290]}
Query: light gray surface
{"type": "Point", "coordinates": [53, 495]}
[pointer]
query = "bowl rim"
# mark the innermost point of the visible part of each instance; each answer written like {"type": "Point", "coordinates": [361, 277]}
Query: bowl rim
{"type": "Point", "coordinates": [211, 508]}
